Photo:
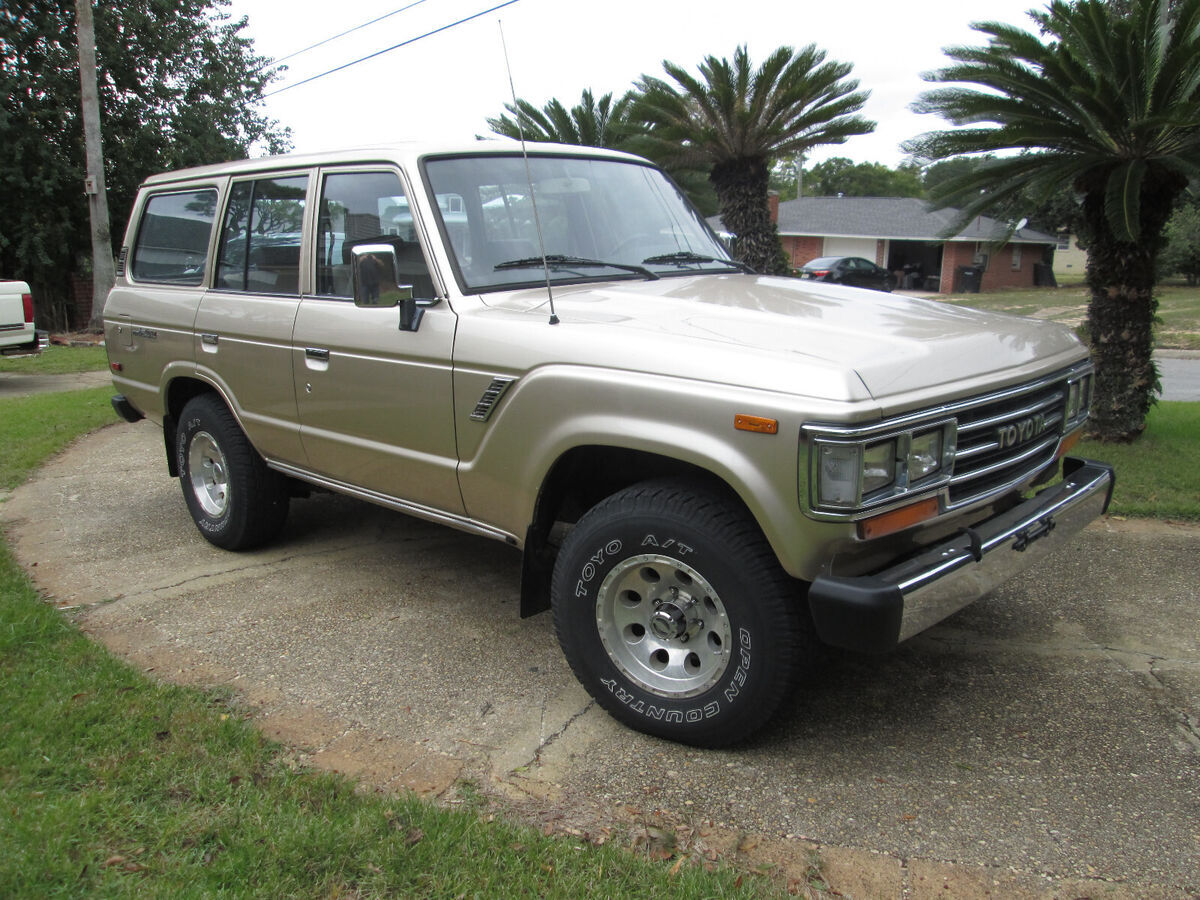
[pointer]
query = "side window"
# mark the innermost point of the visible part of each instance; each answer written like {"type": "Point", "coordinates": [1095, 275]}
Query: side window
{"type": "Point", "coordinates": [366, 208]}
{"type": "Point", "coordinates": [172, 238]}
{"type": "Point", "coordinates": [260, 239]}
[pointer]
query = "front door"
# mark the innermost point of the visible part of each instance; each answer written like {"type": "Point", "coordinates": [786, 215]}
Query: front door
{"type": "Point", "coordinates": [375, 403]}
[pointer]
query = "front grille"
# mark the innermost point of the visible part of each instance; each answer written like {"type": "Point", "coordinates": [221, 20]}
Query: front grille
{"type": "Point", "coordinates": [1003, 439]}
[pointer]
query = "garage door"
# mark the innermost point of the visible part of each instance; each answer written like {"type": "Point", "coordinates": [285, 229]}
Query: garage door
{"type": "Point", "coordinates": [837, 246]}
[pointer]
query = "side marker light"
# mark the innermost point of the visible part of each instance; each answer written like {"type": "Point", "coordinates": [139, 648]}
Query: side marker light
{"type": "Point", "coordinates": [756, 423]}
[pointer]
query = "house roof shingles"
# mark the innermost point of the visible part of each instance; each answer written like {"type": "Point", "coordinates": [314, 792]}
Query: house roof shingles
{"type": "Point", "coordinates": [895, 218]}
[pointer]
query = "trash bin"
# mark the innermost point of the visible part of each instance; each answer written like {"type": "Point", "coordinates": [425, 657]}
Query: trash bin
{"type": "Point", "coordinates": [1043, 275]}
{"type": "Point", "coordinates": [967, 279]}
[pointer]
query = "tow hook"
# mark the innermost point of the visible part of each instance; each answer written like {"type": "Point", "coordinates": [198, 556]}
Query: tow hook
{"type": "Point", "coordinates": [1034, 532]}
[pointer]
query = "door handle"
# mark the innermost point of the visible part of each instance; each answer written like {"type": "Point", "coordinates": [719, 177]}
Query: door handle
{"type": "Point", "coordinates": [316, 353]}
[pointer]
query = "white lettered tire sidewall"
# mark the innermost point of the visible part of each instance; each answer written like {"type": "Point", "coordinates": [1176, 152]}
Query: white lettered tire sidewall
{"type": "Point", "coordinates": [253, 506]}
{"type": "Point", "coordinates": [708, 536]}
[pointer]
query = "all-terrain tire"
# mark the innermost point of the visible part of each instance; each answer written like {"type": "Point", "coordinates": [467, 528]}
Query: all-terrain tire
{"type": "Point", "coordinates": [236, 501]}
{"type": "Point", "coordinates": [674, 613]}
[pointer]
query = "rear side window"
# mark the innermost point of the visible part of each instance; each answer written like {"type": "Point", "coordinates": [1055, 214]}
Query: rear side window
{"type": "Point", "coordinates": [260, 239]}
{"type": "Point", "coordinates": [172, 238]}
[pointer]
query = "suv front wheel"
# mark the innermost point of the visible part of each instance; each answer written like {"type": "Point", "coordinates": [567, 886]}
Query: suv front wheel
{"type": "Point", "coordinates": [236, 501]}
{"type": "Point", "coordinates": [675, 615]}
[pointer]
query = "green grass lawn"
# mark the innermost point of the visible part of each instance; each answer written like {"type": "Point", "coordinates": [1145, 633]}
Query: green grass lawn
{"type": "Point", "coordinates": [1178, 309]}
{"type": "Point", "coordinates": [57, 361]}
{"type": "Point", "coordinates": [36, 427]}
{"type": "Point", "coordinates": [1158, 476]}
{"type": "Point", "coordinates": [114, 785]}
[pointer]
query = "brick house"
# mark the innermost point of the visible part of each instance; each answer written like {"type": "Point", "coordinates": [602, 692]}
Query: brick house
{"type": "Point", "coordinates": [904, 236]}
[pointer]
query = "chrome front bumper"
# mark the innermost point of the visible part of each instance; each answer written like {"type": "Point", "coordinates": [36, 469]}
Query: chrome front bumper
{"type": "Point", "coordinates": [876, 612]}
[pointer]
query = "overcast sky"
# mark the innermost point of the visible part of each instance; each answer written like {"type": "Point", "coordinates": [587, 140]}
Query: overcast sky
{"type": "Point", "coordinates": [446, 85]}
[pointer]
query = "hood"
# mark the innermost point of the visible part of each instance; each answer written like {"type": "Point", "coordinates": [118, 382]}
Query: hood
{"type": "Point", "coordinates": [800, 336]}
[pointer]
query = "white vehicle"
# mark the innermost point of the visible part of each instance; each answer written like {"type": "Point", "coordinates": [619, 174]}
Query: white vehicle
{"type": "Point", "coordinates": [17, 333]}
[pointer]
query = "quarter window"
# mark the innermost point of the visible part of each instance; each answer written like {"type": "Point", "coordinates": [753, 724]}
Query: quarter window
{"type": "Point", "coordinates": [260, 240]}
{"type": "Point", "coordinates": [172, 238]}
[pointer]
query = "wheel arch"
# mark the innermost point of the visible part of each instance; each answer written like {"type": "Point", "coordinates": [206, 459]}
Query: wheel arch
{"type": "Point", "coordinates": [176, 395]}
{"type": "Point", "coordinates": [578, 480]}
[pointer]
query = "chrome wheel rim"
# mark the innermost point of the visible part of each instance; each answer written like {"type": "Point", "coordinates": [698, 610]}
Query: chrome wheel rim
{"type": "Point", "coordinates": [663, 626]}
{"type": "Point", "coordinates": [209, 474]}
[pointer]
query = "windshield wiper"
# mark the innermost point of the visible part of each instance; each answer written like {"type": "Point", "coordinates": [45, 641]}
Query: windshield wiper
{"type": "Point", "coordinates": [685, 256]}
{"type": "Point", "coordinates": [560, 261]}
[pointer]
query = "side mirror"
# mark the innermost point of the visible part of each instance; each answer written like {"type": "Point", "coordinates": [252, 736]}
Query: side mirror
{"type": "Point", "coordinates": [373, 268]}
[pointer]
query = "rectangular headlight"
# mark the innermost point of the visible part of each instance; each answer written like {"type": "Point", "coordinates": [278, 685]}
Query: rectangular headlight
{"type": "Point", "coordinates": [1074, 391]}
{"type": "Point", "coordinates": [879, 466]}
{"type": "Point", "coordinates": [840, 468]}
{"type": "Point", "coordinates": [924, 455]}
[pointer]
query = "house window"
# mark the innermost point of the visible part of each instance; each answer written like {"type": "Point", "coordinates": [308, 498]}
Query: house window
{"type": "Point", "coordinates": [1064, 241]}
{"type": "Point", "coordinates": [1016, 257]}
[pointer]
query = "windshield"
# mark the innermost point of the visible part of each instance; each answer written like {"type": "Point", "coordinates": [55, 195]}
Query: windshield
{"type": "Point", "coordinates": [600, 218]}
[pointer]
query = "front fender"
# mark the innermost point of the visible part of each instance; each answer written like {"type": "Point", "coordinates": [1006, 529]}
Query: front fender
{"type": "Point", "coordinates": [555, 409]}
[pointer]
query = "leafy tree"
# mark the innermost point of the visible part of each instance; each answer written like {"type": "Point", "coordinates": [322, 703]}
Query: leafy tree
{"type": "Point", "coordinates": [1182, 253]}
{"type": "Point", "coordinates": [734, 119]}
{"type": "Point", "coordinates": [592, 123]}
{"type": "Point", "coordinates": [1052, 213]}
{"type": "Point", "coordinates": [839, 175]}
{"type": "Point", "coordinates": [179, 85]}
{"type": "Point", "coordinates": [589, 123]}
{"type": "Point", "coordinates": [1108, 103]}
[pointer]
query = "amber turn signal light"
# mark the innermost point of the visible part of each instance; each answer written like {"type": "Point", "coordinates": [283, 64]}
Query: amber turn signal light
{"type": "Point", "coordinates": [1065, 445]}
{"type": "Point", "coordinates": [897, 519]}
{"type": "Point", "coordinates": [756, 423]}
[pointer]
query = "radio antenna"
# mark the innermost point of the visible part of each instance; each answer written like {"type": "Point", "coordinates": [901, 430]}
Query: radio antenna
{"type": "Point", "coordinates": [528, 176]}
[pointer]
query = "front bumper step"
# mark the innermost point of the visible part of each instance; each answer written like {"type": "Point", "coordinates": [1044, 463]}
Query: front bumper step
{"type": "Point", "coordinates": [876, 612]}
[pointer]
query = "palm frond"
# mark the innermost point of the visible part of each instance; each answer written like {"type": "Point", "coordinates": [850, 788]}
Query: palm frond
{"type": "Point", "coordinates": [1092, 96]}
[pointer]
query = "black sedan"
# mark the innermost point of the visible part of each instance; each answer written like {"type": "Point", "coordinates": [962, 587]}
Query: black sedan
{"type": "Point", "coordinates": [850, 270]}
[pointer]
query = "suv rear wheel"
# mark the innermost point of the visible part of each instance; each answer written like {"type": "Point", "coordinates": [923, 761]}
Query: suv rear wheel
{"type": "Point", "coordinates": [675, 615]}
{"type": "Point", "coordinates": [235, 500]}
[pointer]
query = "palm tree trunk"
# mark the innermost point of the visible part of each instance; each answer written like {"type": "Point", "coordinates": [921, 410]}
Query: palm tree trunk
{"type": "Point", "coordinates": [741, 187]}
{"type": "Point", "coordinates": [1120, 319]}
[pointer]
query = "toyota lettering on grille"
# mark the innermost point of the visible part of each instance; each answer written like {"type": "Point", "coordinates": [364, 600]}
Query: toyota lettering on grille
{"type": "Point", "coordinates": [1015, 433]}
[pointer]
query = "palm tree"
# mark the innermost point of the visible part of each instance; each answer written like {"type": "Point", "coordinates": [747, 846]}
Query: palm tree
{"type": "Point", "coordinates": [597, 124]}
{"type": "Point", "coordinates": [588, 123]}
{"type": "Point", "coordinates": [733, 120]}
{"type": "Point", "coordinates": [1106, 99]}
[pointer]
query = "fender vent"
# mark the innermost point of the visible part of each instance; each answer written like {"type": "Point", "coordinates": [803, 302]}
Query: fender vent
{"type": "Point", "coordinates": [121, 258]}
{"type": "Point", "coordinates": [495, 390]}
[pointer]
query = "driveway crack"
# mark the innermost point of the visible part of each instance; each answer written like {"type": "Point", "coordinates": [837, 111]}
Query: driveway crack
{"type": "Point", "coordinates": [551, 738]}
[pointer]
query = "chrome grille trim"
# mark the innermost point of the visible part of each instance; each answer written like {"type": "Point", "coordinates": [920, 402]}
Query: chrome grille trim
{"type": "Point", "coordinates": [983, 464]}
{"type": "Point", "coordinates": [1014, 414]}
{"type": "Point", "coordinates": [1001, 441]}
{"type": "Point", "coordinates": [1031, 453]}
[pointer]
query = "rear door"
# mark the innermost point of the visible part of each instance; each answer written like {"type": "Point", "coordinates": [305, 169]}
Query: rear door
{"type": "Point", "coordinates": [375, 403]}
{"type": "Point", "coordinates": [244, 325]}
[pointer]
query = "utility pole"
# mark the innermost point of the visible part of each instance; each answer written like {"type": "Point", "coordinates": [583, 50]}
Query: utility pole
{"type": "Point", "coordinates": [103, 272]}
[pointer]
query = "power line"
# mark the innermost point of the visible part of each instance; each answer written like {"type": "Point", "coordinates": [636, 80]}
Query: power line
{"type": "Point", "coordinates": [327, 40]}
{"type": "Point", "coordinates": [390, 49]}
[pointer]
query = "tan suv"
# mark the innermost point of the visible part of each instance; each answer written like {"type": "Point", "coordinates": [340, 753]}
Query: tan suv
{"type": "Point", "coordinates": [708, 472]}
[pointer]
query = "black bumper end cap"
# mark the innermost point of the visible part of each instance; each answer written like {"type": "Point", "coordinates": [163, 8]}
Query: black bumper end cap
{"type": "Point", "coordinates": [126, 410]}
{"type": "Point", "coordinates": [861, 614]}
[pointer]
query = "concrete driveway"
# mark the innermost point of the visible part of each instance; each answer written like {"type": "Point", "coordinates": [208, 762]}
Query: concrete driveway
{"type": "Point", "coordinates": [1044, 742]}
